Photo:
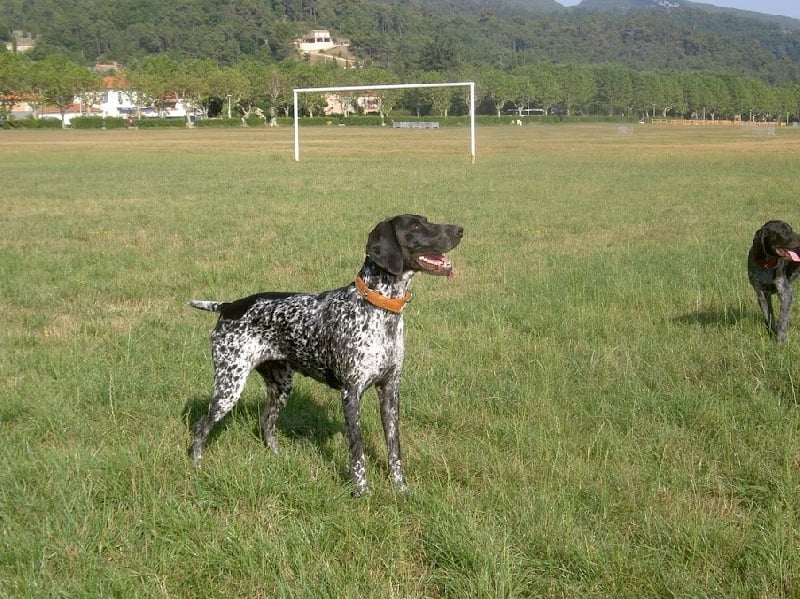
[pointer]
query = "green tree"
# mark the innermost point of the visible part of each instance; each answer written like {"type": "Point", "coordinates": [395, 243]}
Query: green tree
{"type": "Point", "coordinates": [14, 78]}
{"type": "Point", "coordinates": [229, 85]}
{"type": "Point", "coordinates": [154, 79]}
{"type": "Point", "coordinates": [255, 74]}
{"type": "Point", "coordinates": [496, 87]}
{"type": "Point", "coordinates": [348, 99]}
{"type": "Point", "coordinates": [672, 97]}
{"type": "Point", "coordinates": [705, 94]}
{"type": "Point", "coordinates": [386, 99]}
{"type": "Point", "coordinates": [762, 100]}
{"type": "Point", "coordinates": [577, 87]}
{"type": "Point", "coordinates": [440, 53]}
{"type": "Point", "coordinates": [740, 96]}
{"type": "Point", "coordinates": [192, 85]}
{"type": "Point", "coordinates": [278, 92]}
{"type": "Point", "coordinates": [545, 88]}
{"type": "Point", "coordinates": [305, 75]}
{"type": "Point", "coordinates": [788, 100]}
{"type": "Point", "coordinates": [614, 89]}
{"type": "Point", "coordinates": [647, 91]}
{"type": "Point", "coordinates": [60, 81]}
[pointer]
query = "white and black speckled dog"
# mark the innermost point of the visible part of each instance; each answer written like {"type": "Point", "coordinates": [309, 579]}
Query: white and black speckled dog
{"type": "Point", "coordinates": [773, 264]}
{"type": "Point", "coordinates": [350, 338]}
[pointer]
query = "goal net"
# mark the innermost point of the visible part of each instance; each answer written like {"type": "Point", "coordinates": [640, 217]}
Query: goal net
{"type": "Point", "coordinates": [350, 88]}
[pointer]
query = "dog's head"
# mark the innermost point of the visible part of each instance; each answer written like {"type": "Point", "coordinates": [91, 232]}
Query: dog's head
{"type": "Point", "coordinates": [409, 242]}
{"type": "Point", "coordinates": [776, 238]}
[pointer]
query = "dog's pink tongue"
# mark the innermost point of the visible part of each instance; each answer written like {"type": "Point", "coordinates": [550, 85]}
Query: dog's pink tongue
{"type": "Point", "coordinates": [790, 255]}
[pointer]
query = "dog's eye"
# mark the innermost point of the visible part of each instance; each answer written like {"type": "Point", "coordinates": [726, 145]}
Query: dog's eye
{"type": "Point", "coordinates": [415, 226]}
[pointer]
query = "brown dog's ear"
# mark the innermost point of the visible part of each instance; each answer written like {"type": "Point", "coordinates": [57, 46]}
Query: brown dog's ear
{"type": "Point", "coordinates": [383, 249]}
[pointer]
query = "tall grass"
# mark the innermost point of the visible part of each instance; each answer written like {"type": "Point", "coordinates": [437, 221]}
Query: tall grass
{"type": "Point", "coordinates": [591, 407]}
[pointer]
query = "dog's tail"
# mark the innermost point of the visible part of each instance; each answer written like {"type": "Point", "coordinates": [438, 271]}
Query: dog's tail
{"type": "Point", "coordinates": [206, 305]}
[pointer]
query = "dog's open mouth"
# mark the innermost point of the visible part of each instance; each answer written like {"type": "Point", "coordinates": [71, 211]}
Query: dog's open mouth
{"type": "Point", "coordinates": [436, 264]}
{"type": "Point", "coordinates": [788, 254]}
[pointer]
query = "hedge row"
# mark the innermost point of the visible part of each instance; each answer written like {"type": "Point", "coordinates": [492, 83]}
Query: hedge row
{"type": "Point", "coordinates": [32, 124]}
{"type": "Point", "coordinates": [97, 122]}
{"type": "Point", "coordinates": [93, 122]}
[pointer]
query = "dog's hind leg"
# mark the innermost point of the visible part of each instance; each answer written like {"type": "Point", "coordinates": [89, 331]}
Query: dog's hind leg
{"type": "Point", "coordinates": [229, 381]}
{"type": "Point", "coordinates": [278, 380]}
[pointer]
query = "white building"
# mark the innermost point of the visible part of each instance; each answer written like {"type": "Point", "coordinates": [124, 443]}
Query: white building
{"type": "Point", "coordinates": [115, 101]}
{"type": "Point", "coordinates": [316, 40]}
{"type": "Point", "coordinates": [20, 42]}
{"type": "Point", "coordinates": [337, 104]}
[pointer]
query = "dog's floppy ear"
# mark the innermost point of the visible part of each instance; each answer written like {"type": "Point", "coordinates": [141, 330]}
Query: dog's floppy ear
{"type": "Point", "coordinates": [760, 236]}
{"type": "Point", "coordinates": [383, 248]}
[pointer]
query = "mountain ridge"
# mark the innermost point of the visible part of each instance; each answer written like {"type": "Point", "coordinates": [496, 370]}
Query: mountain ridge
{"type": "Point", "coordinates": [411, 35]}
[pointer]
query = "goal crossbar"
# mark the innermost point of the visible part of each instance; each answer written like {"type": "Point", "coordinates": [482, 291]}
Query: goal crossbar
{"type": "Point", "coordinates": [322, 90]}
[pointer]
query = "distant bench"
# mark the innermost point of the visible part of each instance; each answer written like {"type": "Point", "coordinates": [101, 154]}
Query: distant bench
{"type": "Point", "coordinates": [415, 124]}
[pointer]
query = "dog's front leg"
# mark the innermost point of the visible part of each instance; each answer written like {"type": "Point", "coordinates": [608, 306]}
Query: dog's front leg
{"type": "Point", "coordinates": [351, 398]}
{"type": "Point", "coordinates": [765, 303]}
{"type": "Point", "coordinates": [389, 399]}
{"type": "Point", "coordinates": [785, 294]}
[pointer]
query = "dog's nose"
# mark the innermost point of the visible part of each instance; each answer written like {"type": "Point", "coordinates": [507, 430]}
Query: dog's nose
{"type": "Point", "coordinates": [458, 231]}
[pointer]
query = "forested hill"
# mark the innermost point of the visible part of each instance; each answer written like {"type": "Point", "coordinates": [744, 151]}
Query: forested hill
{"type": "Point", "coordinates": [412, 35]}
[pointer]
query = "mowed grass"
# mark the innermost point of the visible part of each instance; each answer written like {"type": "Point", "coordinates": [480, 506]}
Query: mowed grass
{"type": "Point", "coordinates": [591, 407]}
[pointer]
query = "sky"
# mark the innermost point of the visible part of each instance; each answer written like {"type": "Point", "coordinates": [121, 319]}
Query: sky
{"type": "Point", "coordinates": [787, 8]}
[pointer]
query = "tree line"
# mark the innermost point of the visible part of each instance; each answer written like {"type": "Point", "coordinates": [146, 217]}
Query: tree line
{"type": "Point", "coordinates": [675, 62]}
{"type": "Point", "coordinates": [405, 36]}
{"type": "Point", "coordinates": [252, 85]}
{"type": "Point", "coordinates": [413, 35]}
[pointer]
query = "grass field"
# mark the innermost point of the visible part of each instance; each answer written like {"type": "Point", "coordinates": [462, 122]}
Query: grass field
{"type": "Point", "coordinates": [591, 407]}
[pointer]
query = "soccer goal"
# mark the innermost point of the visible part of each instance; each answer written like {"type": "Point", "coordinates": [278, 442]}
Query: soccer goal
{"type": "Point", "coordinates": [323, 90]}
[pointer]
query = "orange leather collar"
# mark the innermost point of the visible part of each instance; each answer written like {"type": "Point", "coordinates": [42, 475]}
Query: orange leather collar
{"type": "Point", "coordinates": [392, 304]}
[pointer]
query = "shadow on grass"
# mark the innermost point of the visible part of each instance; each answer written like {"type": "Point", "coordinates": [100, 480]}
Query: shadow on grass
{"type": "Point", "coordinates": [302, 418]}
{"type": "Point", "coordinates": [726, 316]}
{"type": "Point", "coordinates": [774, 370]}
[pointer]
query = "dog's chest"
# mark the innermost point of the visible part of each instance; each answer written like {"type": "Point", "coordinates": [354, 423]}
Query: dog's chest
{"type": "Point", "coordinates": [365, 344]}
{"type": "Point", "coordinates": [337, 338]}
{"type": "Point", "coordinates": [767, 273]}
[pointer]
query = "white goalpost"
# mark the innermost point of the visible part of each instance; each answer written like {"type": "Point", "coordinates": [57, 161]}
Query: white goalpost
{"type": "Point", "coordinates": [322, 90]}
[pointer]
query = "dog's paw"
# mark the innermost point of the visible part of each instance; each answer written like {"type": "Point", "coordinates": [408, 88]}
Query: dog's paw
{"type": "Point", "coordinates": [361, 490]}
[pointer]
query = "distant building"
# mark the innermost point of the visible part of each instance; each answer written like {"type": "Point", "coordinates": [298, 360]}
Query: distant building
{"type": "Point", "coordinates": [319, 46]}
{"type": "Point", "coordinates": [113, 100]}
{"type": "Point", "coordinates": [20, 41]}
{"type": "Point", "coordinates": [345, 106]}
{"type": "Point", "coordinates": [316, 40]}
{"type": "Point", "coordinates": [70, 112]}
{"type": "Point", "coordinates": [106, 68]}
